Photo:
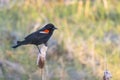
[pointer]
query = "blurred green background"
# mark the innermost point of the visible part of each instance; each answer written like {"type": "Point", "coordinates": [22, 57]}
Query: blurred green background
{"type": "Point", "coordinates": [87, 31]}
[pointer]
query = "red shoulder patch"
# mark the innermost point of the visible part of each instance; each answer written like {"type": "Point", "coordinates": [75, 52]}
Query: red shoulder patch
{"type": "Point", "coordinates": [46, 31]}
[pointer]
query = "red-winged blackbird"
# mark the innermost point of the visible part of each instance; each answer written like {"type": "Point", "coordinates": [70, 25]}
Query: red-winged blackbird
{"type": "Point", "coordinates": [39, 37]}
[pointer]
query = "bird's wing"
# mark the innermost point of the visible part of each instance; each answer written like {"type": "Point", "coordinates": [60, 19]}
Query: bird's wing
{"type": "Point", "coordinates": [30, 36]}
{"type": "Point", "coordinates": [35, 36]}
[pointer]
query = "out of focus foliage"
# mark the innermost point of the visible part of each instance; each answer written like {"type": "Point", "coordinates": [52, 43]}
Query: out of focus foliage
{"type": "Point", "coordinates": [87, 30]}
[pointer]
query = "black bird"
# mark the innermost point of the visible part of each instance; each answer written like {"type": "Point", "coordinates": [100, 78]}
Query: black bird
{"type": "Point", "coordinates": [39, 37]}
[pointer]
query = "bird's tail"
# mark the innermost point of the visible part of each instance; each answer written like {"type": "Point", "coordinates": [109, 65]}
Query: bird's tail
{"type": "Point", "coordinates": [19, 43]}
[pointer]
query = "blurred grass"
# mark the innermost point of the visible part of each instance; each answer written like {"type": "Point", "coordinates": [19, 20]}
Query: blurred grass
{"type": "Point", "coordinates": [87, 30]}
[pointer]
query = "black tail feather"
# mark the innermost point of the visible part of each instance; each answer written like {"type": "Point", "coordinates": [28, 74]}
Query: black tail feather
{"type": "Point", "coordinates": [19, 43]}
{"type": "Point", "coordinates": [16, 46]}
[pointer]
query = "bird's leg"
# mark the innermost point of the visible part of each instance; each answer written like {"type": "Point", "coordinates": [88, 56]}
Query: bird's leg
{"type": "Point", "coordinates": [38, 48]}
{"type": "Point", "coordinates": [46, 44]}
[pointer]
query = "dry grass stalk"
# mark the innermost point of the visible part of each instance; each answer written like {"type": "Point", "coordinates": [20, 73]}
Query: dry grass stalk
{"type": "Point", "coordinates": [41, 61]}
{"type": "Point", "coordinates": [107, 75]}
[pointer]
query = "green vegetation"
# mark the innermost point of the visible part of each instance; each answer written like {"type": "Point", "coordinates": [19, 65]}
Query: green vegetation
{"type": "Point", "coordinates": [87, 30]}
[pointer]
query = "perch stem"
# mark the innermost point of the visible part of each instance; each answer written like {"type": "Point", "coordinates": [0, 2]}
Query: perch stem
{"type": "Point", "coordinates": [106, 66]}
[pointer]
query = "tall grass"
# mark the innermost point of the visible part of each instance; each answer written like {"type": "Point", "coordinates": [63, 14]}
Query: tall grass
{"type": "Point", "coordinates": [87, 30]}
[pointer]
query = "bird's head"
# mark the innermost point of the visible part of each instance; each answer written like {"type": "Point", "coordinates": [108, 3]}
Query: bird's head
{"type": "Point", "coordinates": [50, 26]}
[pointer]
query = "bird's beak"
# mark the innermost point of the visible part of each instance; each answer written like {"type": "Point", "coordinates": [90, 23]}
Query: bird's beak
{"type": "Point", "coordinates": [55, 28]}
